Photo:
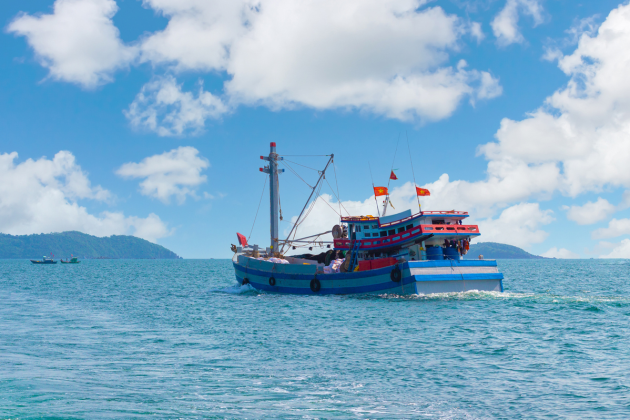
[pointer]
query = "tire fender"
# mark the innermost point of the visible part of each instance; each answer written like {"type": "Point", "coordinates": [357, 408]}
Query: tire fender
{"type": "Point", "coordinates": [396, 275]}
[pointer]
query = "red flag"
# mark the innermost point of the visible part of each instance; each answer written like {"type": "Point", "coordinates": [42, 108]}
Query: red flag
{"type": "Point", "coordinates": [393, 176]}
{"type": "Point", "coordinates": [422, 191]}
{"type": "Point", "coordinates": [378, 191]}
{"type": "Point", "coordinates": [242, 240]}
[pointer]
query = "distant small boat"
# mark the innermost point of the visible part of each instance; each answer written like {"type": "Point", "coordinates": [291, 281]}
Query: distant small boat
{"type": "Point", "coordinates": [73, 260]}
{"type": "Point", "coordinates": [44, 260]}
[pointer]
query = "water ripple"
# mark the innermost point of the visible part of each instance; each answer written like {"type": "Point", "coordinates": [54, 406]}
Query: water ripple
{"type": "Point", "coordinates": [179, 339]}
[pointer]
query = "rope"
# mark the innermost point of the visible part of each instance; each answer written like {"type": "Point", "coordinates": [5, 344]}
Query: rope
{"type": "Point", "coordinates": [279, 203]}
{"type": "Point", "coordinates": [307, 167]}
{"type": "Point", "coordinates": [337, 183]}
{"type": "Point", "coordinates": [338, 199]}
{"type": "Point", "coordinates": [296, 174]}
{"type": "Point", "coordinates": [259, 203]}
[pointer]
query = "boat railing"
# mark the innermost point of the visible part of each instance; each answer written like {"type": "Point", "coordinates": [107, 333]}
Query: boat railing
{"type": "Point", "coordinates": [396, 222]}
{"type": "Point", "coordinates": [406, 219]}
{"type": "Point", "coordinates": [402, 237]}
{"type": "Point", "coordinates": [450, 228]}
{"type": "Point", "coordinates": [462, 213]}
{"type": "Point", "coordinates": [358, 218]}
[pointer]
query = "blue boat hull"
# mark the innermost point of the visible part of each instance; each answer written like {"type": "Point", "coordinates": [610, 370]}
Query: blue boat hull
{"type": "Point", "coordinates": [417, 277]}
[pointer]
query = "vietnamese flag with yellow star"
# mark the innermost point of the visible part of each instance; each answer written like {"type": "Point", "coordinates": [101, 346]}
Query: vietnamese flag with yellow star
{"type": "Point", "coordinates": [378, 191]}
{"type": "Point", "coordinates": [422, 191]}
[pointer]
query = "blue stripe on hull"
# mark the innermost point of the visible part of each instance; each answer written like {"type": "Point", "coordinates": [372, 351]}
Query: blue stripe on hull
{"type": "Point", "coordinates": [377, 281]}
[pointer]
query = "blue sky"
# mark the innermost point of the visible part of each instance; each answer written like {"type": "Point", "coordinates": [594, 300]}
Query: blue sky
{"type": "Point", "coordinates": [148, 118]}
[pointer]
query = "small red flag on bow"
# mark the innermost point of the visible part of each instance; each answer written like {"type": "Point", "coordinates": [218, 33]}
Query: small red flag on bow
{"type": "Point", "coordinates": [242, 240]}
{"type": "Point", "coordinates": [422, 191]}
{"type": "Point", "coordinates": [393, 176]}
{"type": "Point", "coordinates": [378, 191]}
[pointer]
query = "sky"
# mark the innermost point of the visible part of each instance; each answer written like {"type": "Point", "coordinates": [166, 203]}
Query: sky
{"type": "Point", "coordinates": [149, 117]}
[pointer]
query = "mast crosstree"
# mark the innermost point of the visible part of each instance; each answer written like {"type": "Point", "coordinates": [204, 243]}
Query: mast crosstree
{"type": "Point", "coordinates": [274, 201]}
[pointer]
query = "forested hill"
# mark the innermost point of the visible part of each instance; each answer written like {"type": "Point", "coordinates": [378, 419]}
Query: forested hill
{"type": "Point", "coordinates": [496, 251]}
{"type": "Point", "coordinates": [81, 245]}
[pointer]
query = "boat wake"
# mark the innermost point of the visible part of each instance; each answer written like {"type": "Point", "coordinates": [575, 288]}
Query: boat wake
{"type": "Point", "coordinates": [236, 289]}
{"type": "Point", "coordinates": [539, 298]}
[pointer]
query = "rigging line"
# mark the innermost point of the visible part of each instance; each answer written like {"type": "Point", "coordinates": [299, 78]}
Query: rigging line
{"type": "Point", "coordinates": [255, 217]}
{"type": "Point", "coordinates": [310, 209]}
{"type": "Point", "coordinates": [303, 155]}
{"type": "Point", "coordinates": [309, 198]}
{"type": "Point", "coordinates": [375, 200]}
{"type": "Point", "coordinates": [337, 183]}
{"type": "Point", "coordinates": [333, 209]}
{"type": "Point", "coordinates": [312, 206]}
{"type": "Point", "coordinates": [412, 172]}
{"type": "Point", "coordinates": [276, 176]}
{"type": "Point", "coordinates": [337, 197]}
{"type": "Point", "coordinates": [389, 180]}
{"type": "Point", "coordinates": [393, 162]}
{"type": "Point", "coordinates": [295, 163]}
{"type": "Point", "coordinates": [296, 174]}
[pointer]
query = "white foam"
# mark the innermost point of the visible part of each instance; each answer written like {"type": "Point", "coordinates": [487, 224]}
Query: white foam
{"type": "Point", "coordinates": [235, 289]}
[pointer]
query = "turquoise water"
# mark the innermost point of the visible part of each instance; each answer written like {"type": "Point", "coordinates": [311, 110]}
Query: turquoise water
{"type": "Point", "coordinates": [178, 339]}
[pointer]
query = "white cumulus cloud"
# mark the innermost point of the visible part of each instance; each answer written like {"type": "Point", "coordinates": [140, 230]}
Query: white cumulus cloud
{"type": "Point", "coordinates": [616, 227]}
{"type": "Point", "coordinates": [591, 212]}
{"type": "Point", "coordinates": [163, 107]}
{"type": "Point", "coordinates": [518, 225]}
{"type": "Point", "coordinates": [386, 57]}
{"type": "Point", "coordinates": [622, 250]}
{"type": "Point", "coordinates": [78, 42]}
{"type": "Point", "coordinates": [577, 142]}
{"type": "Point", "coordinates": [505, 24]}
{"type": "Point", "coordinates": [561, 253]}
{"type": "Point", "coordinates": [41, 196]}
{"type": "Point", "coordinates": [174, 173]}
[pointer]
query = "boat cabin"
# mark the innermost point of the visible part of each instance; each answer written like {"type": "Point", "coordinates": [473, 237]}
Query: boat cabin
{"type": "Point", "coordinates": [405, 233]}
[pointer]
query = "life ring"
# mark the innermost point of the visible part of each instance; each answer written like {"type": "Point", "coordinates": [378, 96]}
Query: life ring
{"type": "Point", "coordinates": [272, 281]}
{"type": "Point", "coordinates": [245, 281]}
{"type": "Point", "coordinates": [315, 285]}
{"type": "Point", "coordinates": [395, 275]}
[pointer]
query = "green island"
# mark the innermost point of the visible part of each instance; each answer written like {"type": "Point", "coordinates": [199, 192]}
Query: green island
{"type": "Point", "coordinates": [497, 251]}
{"type": "Point", "coordinates": [81, 245]}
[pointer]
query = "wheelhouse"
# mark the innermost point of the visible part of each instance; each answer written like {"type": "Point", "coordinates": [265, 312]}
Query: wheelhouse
{"type": "Point", "coordinates": [395, 235]}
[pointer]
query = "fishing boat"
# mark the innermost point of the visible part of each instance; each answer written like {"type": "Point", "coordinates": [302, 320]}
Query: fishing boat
{"type": "Point", "coordinates": [73, 260]}
{"type": "Point", "coordinates": [44, 260]}
{"type": "Point", "coordinates": [404, 253]}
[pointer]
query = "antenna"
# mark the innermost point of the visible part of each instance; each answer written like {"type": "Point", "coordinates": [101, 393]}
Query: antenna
{"type": "Point", "coordinates": [389, 179]}
{"type": "Point", "coordinates": [412, 172]}
{"type": "Point", "coordinates": [375, 200]}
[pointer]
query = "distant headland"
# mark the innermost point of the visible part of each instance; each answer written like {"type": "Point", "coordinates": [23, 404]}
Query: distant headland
{"type": "Point", "coordinates": [497, 251]}
{"type": "Point", "coordinates": [80, 245]}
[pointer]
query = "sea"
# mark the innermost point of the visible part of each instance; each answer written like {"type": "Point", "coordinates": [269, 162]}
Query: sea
{"type": "Point", "coordinates": [179, 339]}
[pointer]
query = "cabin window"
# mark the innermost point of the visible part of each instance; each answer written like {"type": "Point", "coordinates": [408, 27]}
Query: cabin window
{"type": "Point", "coordinates": [383, 233]}
{"type": "Point", "coordinates": [374, 226]}
{"type": "Point", "coordinates": [366, 227]}
{"type": "Point", "coordinates": [401, 229]}
{"type": "Point", "coordinates": [409, 227]}
{"type": "Point", "coordinates": [367, 235]}
{"type": "Point", "coordinates": [391, 232]}
{"type": "Point", "coordinates": [358, 228]}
